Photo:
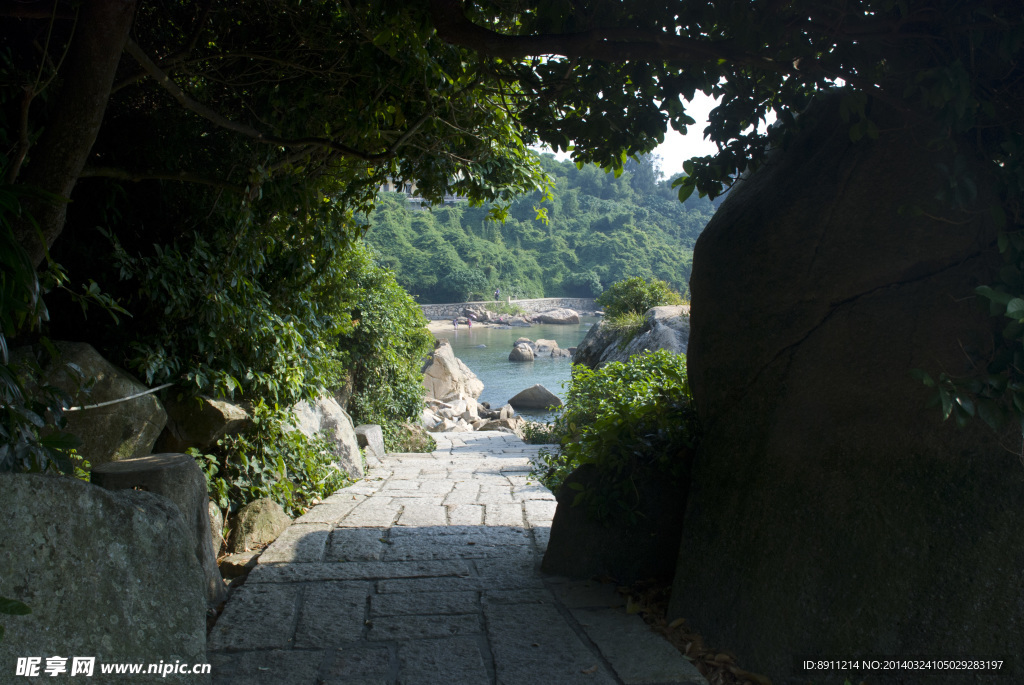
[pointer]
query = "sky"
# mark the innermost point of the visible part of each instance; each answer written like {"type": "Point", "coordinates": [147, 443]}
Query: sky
{"type": "Point", "coordinates": [678, 148]}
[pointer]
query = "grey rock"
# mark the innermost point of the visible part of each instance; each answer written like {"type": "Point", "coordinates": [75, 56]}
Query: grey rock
{"type": "Point", "coordinates": [118, 431]}
{"type": "Point", "coordinates": [665, 328]}
{"type": "Point", "coordinates": [326, 418]}
{"type": "Point", "coordinates": [239, 564]}
{"type": "Point", "coordinates": [216, 527]}
{"type": "Point", "coordinates": [521, 353]}
{"type": "Point", "coordinates": [446, 377]}
{"type": "Point", "coordinates": [826, 492]}
{"type": "Point", "coordinates": [107, 574]}
{"type": "Point", "coordinates": [535, 397]}
{"type": "Point", "coordinates": [558, 316]}
{"type": "Point", "coordinates": [256, 524]}
{"type": "Point", "coordinates": [371, 439]}
{"type": "Point", "coordinates": [545, 348]}
{"type": "Point", "coordinates": [199, 422]}
{"type": "Point", "coordinates": [178, 478]}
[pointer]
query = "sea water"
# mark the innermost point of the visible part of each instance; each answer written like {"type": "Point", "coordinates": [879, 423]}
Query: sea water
{"type": "Point", "coordinates": [485, 350]}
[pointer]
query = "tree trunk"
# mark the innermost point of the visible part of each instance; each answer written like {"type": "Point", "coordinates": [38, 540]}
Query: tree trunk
{"type": "Point", "coordinates": [57, 160]}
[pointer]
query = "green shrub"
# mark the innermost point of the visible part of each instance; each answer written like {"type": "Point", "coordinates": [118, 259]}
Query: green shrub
{"type": "Point", "coordinates": [508, 308]}
{"type": "Point", "coordinates": [269, 460]}
{"type": "Point", "coordinates": [635, 295]}
{"type": "Point", "coordinates": [625, 326]}
{"type": "Point", "coordinates": [632, 421]}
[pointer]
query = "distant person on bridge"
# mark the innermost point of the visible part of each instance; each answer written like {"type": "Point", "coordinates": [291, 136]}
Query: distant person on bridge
{"type": "Point", "coordinates": [497, 293]}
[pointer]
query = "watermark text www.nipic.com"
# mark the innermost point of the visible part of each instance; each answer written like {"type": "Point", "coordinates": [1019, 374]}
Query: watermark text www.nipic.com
{"type": "Point", "coordinates": [86, 666]}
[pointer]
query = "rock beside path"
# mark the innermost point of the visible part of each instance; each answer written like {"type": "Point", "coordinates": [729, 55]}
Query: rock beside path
{"type": "Point", "coordinates": [446, 377]}
{"type": "Point", "coordinates": [256, 524]}
{"type": "Point", "coordinates": [110, 575]}
{"type": "Point", "coordinates": [325, 418]}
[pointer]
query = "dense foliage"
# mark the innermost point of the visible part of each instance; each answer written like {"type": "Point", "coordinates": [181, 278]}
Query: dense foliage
{"type": "Point", "coordinates": [615, 74]}
{"type": "Point", "coordinates": [273, 461]}
{"type": "Point", "coordinates": [633, 421]}
{"type": "Point", "coordinates": [636, 296]}
{"type": "Point", "coordinates": [217, 206]}
{"type": "Point", "coordinates": [596, 228]}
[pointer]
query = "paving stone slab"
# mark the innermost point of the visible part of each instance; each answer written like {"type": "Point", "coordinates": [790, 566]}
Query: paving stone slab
{"type": "Point", "coordinates": [258, 616]}
{"type": "Point", "coordinates": [362, 665]}
{"type": "Point", "coordinates": [329, 511]}
{"type": "Point", "coordinates": [503, 514]}
{"type": "Point", "coordinates": [357, 570]}
{"type": "Point", "coordinates": [421, 627]}
{"type": "Point", "coordinates": [427, 572]}
{"type": "Point", "coordinates": [451, 661]}
{"type": "Point", "coordinates": [458, 584]}
{"type": "Point", "coordinates": [423, 514]}
{"type": "Point", "coordinates": [424, 603]}
{"type": "Point", "coordinates": [332, 613]}
{"type": "Point", "coordinates": [356, 544]}
{"type": "Point", "coordinates": [586, 594]}
{"type": "Point", "coordinates": [266, 667]}
{"type": "Point", "coordinates": [637, 655]}
{"type": "Point", "coordinates": [539, 512]}
{"type": "Point", "coordinates": [377, 515]}
{"type": "Point", "coordinates": [299, 543]}
{"type": "Point", "coordinates": [484, 542]}
{"type": "Point", "coordinates": [533, 644]}
{"type": "Point", "coordinates": [541, 537]}
{"type": "Point", "coordinates": [466, 514]}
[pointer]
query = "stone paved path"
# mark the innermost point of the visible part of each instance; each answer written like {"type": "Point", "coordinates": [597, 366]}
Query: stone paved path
{"type": "Point", "coordinates": [426, 573]}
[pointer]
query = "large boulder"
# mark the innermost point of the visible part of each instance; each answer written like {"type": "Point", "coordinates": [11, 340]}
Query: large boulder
{"type": "Point", "coordinates": [110, 575]}
{"type": "Point", "coordinates": [115, 431]}
{"type": "Point", "coordinates": [199, 422]}
{"type": "Point", "coordinates": [545, 348]}
{"type": "Point", "coordinates": [535, 397]}
{"type": "Point", "coordinates": [326, 418]}
{"type": "Point", "coordinates": [447, 378]}
{"type": "Point", "coordinates": [627, 547]}
{"type": "Point", "coordinates": [832, 512]}
{"type": "Point", "coordinates": [178, 478]}
{"type": "Point", "coordinates": [557, 316]}
{"type": "Point", "coordinates": [257, 524]}
{"type": "Point", "coordinates": [664, 328]}
{"type": "Point", "coordinates": [521, 353]}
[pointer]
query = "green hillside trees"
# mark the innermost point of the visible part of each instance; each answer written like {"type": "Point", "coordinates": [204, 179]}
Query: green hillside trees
{"type": "Point", "coordinates": [600, 228]}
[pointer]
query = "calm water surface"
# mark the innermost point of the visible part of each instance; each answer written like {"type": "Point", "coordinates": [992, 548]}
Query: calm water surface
{"type": "Point", "coordinates": [485, 351]}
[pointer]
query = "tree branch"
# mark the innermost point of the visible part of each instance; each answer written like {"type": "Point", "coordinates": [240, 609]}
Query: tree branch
{"type": "Point", "coordinates": [59, 156]}
{"type": "Point", "coordinates": [220, 120]}
{"type": "Point", "coordinates": [135, 176]}
{"type": "Point", "coordinates": [610, 45]}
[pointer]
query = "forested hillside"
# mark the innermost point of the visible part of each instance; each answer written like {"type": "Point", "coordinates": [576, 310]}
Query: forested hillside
{"type": "Point", "coordinates": [601, 229]}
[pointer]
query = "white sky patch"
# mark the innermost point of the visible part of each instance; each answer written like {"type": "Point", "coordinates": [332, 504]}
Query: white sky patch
{"type": "Point", "coordinates": [678, 148]}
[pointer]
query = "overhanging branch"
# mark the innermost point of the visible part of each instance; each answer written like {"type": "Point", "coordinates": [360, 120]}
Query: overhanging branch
{"type": "Point", "coordinates": [220, 120]}
{"type": "Point", "coordinates": [135, 176]}
{"type": "Point", "coordinates": [610, 45]}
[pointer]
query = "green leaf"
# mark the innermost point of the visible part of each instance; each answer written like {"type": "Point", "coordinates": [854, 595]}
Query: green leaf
{"type": "Point", "coordinates": [13, 607]}
{"type": "Point", "coordinates": [1015, 309]}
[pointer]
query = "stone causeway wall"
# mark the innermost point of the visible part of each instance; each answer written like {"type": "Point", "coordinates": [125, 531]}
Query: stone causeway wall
{"type": "Point", "coordinates": [446, 311]}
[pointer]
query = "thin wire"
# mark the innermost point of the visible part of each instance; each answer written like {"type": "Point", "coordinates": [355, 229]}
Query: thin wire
{"type": "Point", "coordinates": [123, 399]}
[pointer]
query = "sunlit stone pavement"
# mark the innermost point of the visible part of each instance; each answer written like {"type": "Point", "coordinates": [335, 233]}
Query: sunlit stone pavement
{"type": "Point", "coordinates": [426, 573]}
